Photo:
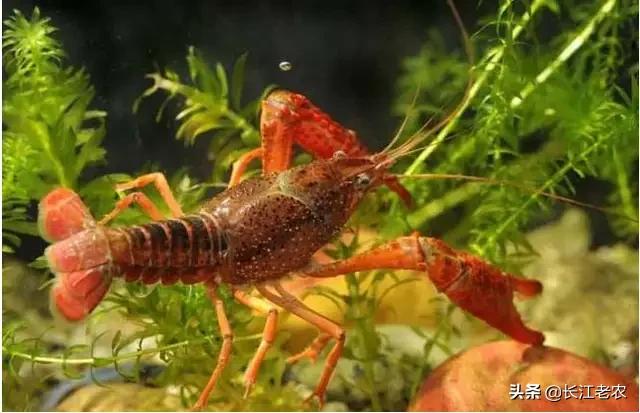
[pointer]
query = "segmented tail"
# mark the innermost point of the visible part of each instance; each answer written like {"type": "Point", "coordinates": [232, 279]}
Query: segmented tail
{"type": "Point", "coordinates": [79, 255]}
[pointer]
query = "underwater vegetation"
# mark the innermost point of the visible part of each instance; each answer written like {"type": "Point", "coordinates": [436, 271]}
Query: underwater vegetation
{"type": "Point", "coordinates": [544, 113]}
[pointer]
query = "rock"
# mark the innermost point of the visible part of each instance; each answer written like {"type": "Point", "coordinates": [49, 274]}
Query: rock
{"type": "Point", "coordinates": [335, 407]}
{"type": "Point", "coordinates": [120, 397]}
{"type": "Point", "coordinates": [589, 305]}
{"type": "Point", "coordinates": [482, 379]}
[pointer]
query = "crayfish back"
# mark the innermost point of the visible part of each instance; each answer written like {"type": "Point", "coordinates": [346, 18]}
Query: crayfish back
{"type": "Point", "coordinates": [276, 223]}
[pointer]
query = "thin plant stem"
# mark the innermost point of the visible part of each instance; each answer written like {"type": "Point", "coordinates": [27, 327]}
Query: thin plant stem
{"type": "Point", "coordinates": [438, 206]}
{"type": "Point", "coordinates": [623, 185]}
{"type": "Point", "coordinates": [100, 360]}
{"type": "Point", "coordinates": [555, 178]}
{"type": "Point", "coordinates": [572, 47]}
{"type": "Point", "coordinates": [492, 64]}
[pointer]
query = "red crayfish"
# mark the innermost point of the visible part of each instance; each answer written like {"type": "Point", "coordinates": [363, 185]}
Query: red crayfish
{"type": "Point", "coordinates": [262, 229]}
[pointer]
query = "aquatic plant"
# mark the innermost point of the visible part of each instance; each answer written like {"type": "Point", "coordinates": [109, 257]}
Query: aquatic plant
{"type": "Point", "coordinates": [542, 113]}
{"type": "Point", "coordinates": [211, 105]}
{"type": "Point", "coordinates": [50, 135]}
{"type": "Point", "coordinates": [548, 114]}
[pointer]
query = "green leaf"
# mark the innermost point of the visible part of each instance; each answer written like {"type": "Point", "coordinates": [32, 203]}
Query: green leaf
{"type": "Point", "coordinates": [222, 79]}
{"type": "Point", "coordinates": [237, 81]}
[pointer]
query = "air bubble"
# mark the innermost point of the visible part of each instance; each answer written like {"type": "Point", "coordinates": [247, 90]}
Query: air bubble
{"type": "Point", "coordinates": [285, 66]}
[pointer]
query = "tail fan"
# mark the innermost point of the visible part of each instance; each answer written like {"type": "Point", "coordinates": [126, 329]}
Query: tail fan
{"type": "Point", "coordinates": [78, 293]}
{"type": "Point", "coordinates": [79, 255]}
{"type": "Point", "coordinates": [61, 214]}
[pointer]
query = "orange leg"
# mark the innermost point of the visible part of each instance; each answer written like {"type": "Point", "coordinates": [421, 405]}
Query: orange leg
{"type": "Point", "coordinates": [240, 166]}
{"type": "Point", "coordinates": [160, 182]}
{"type": "Point", "coordinates": [134, 198]}
{"type": "Point", "coordinates": [470, 282]}
{"type": "Point", "coordinates": [293, 305]}
{"type": "Point", "coordinates": [225, 351]}
{"type": "Point", "coordinates": [275, 151]}
{"type": "Point", "coordinates": [313, 350]}
{"type": "Point", "coordinates": [268, 335]}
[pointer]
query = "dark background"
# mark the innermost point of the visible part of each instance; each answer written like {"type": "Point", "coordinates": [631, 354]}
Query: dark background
{"type": "Point", "coordinates": [346, 57]}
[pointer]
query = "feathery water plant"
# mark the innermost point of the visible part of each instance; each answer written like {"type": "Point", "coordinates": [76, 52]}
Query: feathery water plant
{"type": "Point", "coordinates": [49, 133]}
{"type": "Point", "coordinates": [540, 117]}
{"type": "Point", "coordinates": [49, 137]}
{"type": "Point", "coordinates": [211, 105]}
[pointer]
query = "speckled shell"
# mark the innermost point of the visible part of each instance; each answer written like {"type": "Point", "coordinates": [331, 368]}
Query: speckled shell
{"type": "Point", "coordinates": [274, 224]}
{"type": "Point", "coordinates": [260, 229]}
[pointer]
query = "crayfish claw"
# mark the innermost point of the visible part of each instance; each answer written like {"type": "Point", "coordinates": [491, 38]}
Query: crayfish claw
{"type": "Point", "coordinates": [480, 288]}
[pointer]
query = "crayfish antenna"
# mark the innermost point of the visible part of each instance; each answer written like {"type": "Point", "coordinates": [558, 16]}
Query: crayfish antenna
{"type": "Point", "coordinates": [521, 187]}
{"type": "Point", "coordinates": [424, 132]}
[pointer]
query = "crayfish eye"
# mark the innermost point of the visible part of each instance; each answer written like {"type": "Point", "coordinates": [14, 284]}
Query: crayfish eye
{"type": "Point", "coordinates": [337, 155]}
{"type": "Point", "coordinates": [363, 180]}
